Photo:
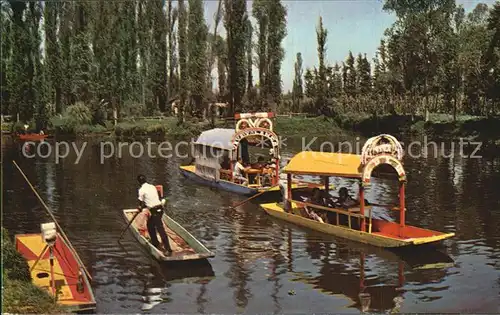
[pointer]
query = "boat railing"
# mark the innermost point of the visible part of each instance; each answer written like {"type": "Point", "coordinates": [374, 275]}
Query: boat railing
{"type": "Point", "coordinates": [350, 212]}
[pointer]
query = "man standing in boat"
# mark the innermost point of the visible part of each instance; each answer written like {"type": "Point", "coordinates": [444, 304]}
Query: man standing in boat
{"type": "Point", "coordinates": [148, 198]}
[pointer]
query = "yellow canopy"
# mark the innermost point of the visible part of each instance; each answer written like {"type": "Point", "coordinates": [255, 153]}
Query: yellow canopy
{"type": "Point", "coordinates": [325, 163]}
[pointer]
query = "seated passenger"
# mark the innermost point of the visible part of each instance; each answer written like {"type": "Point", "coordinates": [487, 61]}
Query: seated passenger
{"type": "Point", "coordinates": [239, 170]}
{"type": "Point", "coordinates": [316, 199]}
{"type": "Point", "coordinates": [345, 200]}
{"type": "Point", "coordinates": [260, 163]}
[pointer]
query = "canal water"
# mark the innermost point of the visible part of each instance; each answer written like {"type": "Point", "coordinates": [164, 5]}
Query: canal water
{"type": "Point", "coordinates": [263, 265]}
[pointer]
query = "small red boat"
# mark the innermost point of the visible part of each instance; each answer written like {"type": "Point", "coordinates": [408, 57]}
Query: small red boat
{"type": "Point", "coordinates": [54, 267]}
{"type": "Point", "coordinates": [32, 136]}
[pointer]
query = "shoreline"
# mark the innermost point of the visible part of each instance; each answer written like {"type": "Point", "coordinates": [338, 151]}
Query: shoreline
{"type": "Point", "coordinates": [438, 127]}
{"type": "Point", "coordinates": [20, 295]}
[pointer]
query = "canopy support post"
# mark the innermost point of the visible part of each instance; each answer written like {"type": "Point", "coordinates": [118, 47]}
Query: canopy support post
{"type": "Point", "coordinates": [327, 184]}
{"type": "Point", "coordinates": [287, 203]}
{"type": "Point", "coordinates": [362, 206]}
{"type": "Point", "coordinates": [402, 204]}
{"type": "Point", "coordinates": [277, 172]}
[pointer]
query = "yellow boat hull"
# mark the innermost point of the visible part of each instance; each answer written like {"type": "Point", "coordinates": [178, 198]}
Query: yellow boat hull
{"type": "Point", "coordinates": [275, 210]}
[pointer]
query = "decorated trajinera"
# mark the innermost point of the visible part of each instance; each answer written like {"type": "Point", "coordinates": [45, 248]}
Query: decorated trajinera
{"type": "Point", "coordinates": [347, 217]}
{"type": "Point", "coordinates": [221, 153]}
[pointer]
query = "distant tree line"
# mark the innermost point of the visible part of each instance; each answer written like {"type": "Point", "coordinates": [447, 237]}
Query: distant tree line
{"type": "Point", "coordinates": [434, 58]}
{"type": "Point", "coordinates": [136, 57]}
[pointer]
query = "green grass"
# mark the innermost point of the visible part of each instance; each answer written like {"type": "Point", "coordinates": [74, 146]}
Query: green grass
{"type": "Point", "coordinates": [165, 128]}
{"type": "Point", "coordinates": [20, 295]}
{"type": "Point", "coordinates": [305, 126]}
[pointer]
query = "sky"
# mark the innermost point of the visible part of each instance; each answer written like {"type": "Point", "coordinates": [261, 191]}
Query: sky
{"type": "Point", "coordinates": [356, 25]}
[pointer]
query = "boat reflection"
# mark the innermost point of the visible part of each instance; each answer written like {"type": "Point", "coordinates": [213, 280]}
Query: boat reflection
{"type": "Point", "coordinates": [156, 290]}
{"type": "Point", "coordinates": [372, 278]}
{"type": "Point", "coordinates": [162, 276]}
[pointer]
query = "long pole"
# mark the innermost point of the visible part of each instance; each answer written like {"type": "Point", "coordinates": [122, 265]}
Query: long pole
{"type": "Point", "coordinates": [128, 225]}
{"type": "Point", "coordinates": [54, 219]}
{"type": "Point", "coordinates": [254, 196]}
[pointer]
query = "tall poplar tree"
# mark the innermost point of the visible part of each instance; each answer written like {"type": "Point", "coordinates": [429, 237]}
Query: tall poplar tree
{"type": "Point", "coordinates": [197, 51]}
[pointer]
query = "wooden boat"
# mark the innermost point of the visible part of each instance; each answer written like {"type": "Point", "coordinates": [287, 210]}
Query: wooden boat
{"type": "Point", "coordinates": [184, 245]}
{"type": "Point", "coordinates": [66, 280]}
{"type": "Point", "coordinates": [216, 152]}
{"type": "Point", "coordinates": [32, 136]}
{"type": "Point", "coordinates": [380, 150]}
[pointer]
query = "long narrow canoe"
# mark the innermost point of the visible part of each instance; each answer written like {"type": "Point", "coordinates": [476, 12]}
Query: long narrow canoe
{"type": "Point", "coordinates": [184, 245]}
{"type": "Point", "coordinates": [384, 233]}
{"type": "Point", "coordinates": [74, 292]}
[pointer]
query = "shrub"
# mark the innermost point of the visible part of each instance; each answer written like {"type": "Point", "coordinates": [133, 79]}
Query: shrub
{"type": "Point", "coordinates": [14, 264]}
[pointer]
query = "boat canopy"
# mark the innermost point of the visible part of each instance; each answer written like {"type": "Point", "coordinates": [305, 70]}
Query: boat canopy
{"type": "Point", "coordinates": [325, 163]}
{"type": "Point", "coordinates": [221, 138]}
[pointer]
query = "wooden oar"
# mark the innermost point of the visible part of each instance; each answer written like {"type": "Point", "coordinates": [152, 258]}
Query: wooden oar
{"type": "Point", "coordinates": [128, 225]}
{"type": "Point", "coordinates": [54, 219]}
{"type": "Point", "coordinates": [254, 196]}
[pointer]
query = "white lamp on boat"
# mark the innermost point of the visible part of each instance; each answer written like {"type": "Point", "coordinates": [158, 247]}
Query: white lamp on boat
{"type": "Point", "coordinates": [49, 233]}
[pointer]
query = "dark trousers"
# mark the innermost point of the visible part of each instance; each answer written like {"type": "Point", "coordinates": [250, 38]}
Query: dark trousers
{"type": "Point", "coordinates": [155, 224]}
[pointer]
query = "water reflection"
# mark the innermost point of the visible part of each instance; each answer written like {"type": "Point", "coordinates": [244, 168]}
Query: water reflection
{"type": "Point", "coordinates": [263, 265]}
{"type": "Point", "coordinates": [373, 279]}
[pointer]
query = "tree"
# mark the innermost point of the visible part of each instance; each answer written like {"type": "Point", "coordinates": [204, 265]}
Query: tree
{"type": "Point", "coordinates": [276, 34]}
{"type": "Point", "coordinates": [249, 46]}
{"type": "Point", "coordinates": [222, 62]}
{"type": "Point", "coordinates": [183, 75]}
{"type": "Point", "coordinates": [350, 76]}
{"type": "Point", "coordinates": [310, 84]}
{"type": "Point", "coordinates": [259, 11]}
{"type": "Point", "coordinates": [322, 84]}
{"type": "Point", "coordinates": [492, 59]}
{"type": "Point", "coordinates": [235, 24]}
{"type": "Point", "coordinates": [6, 49]}
{"type": "Point", "coordinates": [52, 13]}
{"type": "Point", "coordinates": [197, 51]}
{"type": "Point", "coordinates": [297, 90]}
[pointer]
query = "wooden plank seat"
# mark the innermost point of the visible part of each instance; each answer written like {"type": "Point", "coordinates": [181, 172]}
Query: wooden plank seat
{"type": "Point", "coordinates": [350, 212]}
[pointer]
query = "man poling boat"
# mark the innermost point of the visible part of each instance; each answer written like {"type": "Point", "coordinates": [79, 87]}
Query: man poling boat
{"type": "Point", "coordinates": [149, 198]}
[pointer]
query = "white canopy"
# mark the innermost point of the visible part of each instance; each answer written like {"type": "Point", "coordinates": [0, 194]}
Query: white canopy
{"type": "Point", "coordinates": [217, 138]}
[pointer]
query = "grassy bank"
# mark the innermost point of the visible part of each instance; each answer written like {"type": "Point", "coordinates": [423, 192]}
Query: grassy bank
{"type": "Point", "coordinates": [439, 126]}
{"type": "Point", "coordinates": [19, 294]}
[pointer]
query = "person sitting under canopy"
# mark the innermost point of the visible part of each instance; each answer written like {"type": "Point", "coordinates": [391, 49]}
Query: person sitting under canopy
{"type": "Point", "coordinates": [239, 170]}
{"type": "Point", "coordinates": [316, 198]}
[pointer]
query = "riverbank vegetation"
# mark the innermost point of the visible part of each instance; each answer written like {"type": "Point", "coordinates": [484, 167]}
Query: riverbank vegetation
{"type": "Point", "coordinates": [106, 62]}
{"type": "Point", "coordinates": [20, 296]}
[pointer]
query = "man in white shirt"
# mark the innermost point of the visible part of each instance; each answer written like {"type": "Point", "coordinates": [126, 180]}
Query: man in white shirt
{"type": "Point", "coordinates": [148, 198]}
{"type": "Point", "coordinates": [239, 170]}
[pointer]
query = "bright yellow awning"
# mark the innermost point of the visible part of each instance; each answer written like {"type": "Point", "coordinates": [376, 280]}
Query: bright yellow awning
{"type": "Point", "coordinates": [325, 163]}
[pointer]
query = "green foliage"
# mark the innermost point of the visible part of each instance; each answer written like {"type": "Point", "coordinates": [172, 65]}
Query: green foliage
{"type": "Point", "coordinates": [197, 51]}
{"type": "Point", "coordinates": [14, 264]}
{"type": "Point", "coordinates": [73, 120]}
{"type": "Point", "coordinates": [298, 89]}
{"type": "Point", "coordinates": [21, 297]}
{"type": "Point", "coordinates": [305, 126]}
{"type": "Point", "coordinates": [235, 22]}
{"type": "Point", "coordinates": [157, 128]}
{"type": "Point", "coordinates": [183, 58]}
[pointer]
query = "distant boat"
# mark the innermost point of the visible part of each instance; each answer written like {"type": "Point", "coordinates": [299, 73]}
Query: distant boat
{"type": "Point", "coordinates": [184, 245]}
{"type": "Point", "coordinates": [74, 292]}
{"type": "Point", "coordinates": [32, 136]}
{"type": "Point", "coordinates": [217, 150]}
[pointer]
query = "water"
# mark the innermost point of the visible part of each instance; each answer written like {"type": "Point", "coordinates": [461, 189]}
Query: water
{"type": "Point", "coordinates": [263, 265]}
